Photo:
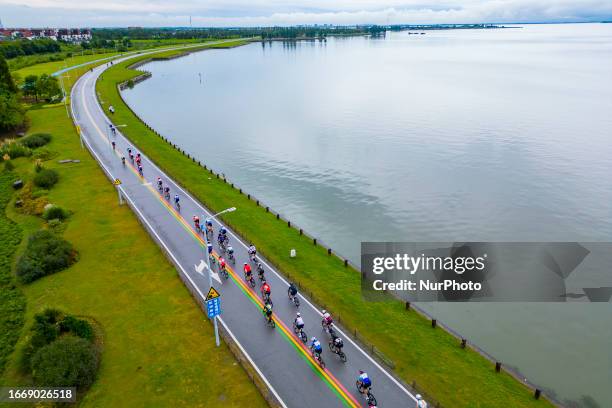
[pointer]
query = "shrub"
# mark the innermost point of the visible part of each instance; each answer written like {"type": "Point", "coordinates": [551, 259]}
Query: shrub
{"type": "Point", "coordinates": [78, 327]}
{"type": "Point", "coordinates": [46, 178]}
{"type": "Point", "coordinates": [53, 212]}
{"type": "Point", "coordinates": [67, 362]}
{"type": "Point", "coordinates": [48, 326]}
{"type": "Point", "coordinates": [46, 253]}
{"type": "Point", "coordinates": [14, 150]}
{"type": "Point", "coordinates": [32, 202]}
{"type": "Point", "coordinates": [36, 140]}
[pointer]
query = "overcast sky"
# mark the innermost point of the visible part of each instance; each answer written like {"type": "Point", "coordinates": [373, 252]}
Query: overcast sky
{"type": "Point", "coordinates": [106, 13]}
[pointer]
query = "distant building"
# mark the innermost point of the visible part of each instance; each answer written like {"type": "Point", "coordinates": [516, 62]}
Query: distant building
{"type": "Point", "coordinates": [72, 35]}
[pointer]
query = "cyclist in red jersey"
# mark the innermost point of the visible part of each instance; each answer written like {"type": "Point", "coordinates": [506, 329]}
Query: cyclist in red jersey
{"type": "Point", "coordinates": [265, 291]}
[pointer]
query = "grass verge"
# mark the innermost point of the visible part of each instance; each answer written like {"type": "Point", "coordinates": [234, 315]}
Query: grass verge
{"type": "Point", "coordinates": [159, 349]}
{"type": "Point", "coordinates": [431, 358]}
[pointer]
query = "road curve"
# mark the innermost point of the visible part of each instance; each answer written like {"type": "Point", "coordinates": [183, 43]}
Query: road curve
{"type": "Point", "coordinates": [279, 357]}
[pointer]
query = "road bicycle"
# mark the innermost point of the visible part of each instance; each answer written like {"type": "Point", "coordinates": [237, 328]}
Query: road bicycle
{"type": "Point", "coordinates": [336, 350]}
{"type": "Point", "coordinates": [294, 299]}
{"type": "Point", "coordinates": [300, 333]}
{"type": "Point", "coordinates": [249, 279]}
{"type": "Point", "coordinates": [371, 400]}
{"type": "Point", "coordinates": [318, 359]}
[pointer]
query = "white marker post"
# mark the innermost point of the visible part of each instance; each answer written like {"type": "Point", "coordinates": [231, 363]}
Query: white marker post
{"type": "Point", "coordinates": [210, 272]}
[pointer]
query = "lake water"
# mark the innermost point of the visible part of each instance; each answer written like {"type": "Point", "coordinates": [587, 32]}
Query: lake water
{"type": "Point", "coordinates": [466, 135]}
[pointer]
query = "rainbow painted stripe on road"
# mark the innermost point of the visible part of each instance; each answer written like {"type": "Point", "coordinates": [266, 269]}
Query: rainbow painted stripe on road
{"type": "Point", "coordinates": [333, 383]}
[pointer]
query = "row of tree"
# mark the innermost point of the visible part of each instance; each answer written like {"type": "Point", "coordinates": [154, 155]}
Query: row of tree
{"type": "Point", "coordinates": [17, 48]}
{"type": "Point", "coordinates": [205, 33]}
{"type": "Point", "coordinates": [122, 43]}
{"type": "Point", "coordinates": [44, 87]}
{"type": "Point", "coordinates": [12, 114]}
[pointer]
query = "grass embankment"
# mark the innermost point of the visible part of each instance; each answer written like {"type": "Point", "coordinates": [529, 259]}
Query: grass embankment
{"type": "Point", "coordinates": [455, 377]}
{"type": "Point", "coordinates": [159, 349]}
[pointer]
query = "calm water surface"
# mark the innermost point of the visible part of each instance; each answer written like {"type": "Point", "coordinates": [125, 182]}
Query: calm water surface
{"type": "Point", "coordinates": [467, 135]}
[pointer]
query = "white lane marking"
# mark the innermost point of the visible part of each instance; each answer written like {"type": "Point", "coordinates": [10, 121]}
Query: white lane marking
{"type": "Point", "coordinates": [204, 210]}
{"type": "Point", "coordinates": [133, 205]}
{"type": "Point", "coordinates": [200, 269]}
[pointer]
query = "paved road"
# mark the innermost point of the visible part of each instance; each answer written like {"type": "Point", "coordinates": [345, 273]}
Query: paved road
{"type": "Point", "coordinates": [280, 358]}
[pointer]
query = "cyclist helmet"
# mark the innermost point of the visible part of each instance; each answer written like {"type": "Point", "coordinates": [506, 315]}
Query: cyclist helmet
{"type": "Point", "coordinates": [313, 339]}
{"type": "Point", "coordinates": [298, 314]}
{"type": "Point", "coordinates": [418, 397]}
{"type": "Point", "coordinates": [361, 371]}
{"type": "Point", "coordinates": [245, 264]}
{"type": "Point", "coordinates": [323, 311]}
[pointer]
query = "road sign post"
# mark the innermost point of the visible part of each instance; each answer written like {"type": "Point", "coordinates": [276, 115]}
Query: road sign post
{"type": "Point", "coordinates": [117, 183]}
{"type": "Point", "coordinates": [213, 309]}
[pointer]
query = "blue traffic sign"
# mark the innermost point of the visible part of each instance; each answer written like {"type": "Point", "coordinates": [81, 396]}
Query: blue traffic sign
{"type": "Point", "coordinates": [213, 307]}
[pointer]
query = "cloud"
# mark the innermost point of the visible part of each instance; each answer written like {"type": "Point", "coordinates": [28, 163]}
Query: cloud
{"type": "Point", "coordinates": [99, 13]}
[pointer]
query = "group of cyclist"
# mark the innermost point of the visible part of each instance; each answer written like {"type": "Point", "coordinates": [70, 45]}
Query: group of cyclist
{"type": "Point", "coordinates": [336, 344]}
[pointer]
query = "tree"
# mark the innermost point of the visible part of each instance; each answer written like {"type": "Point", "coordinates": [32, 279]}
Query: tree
{"type": "Point", "coordinates": [47, 87]}
{"type": "Point", "coordinates": [6, 80]}
{"type": "Point", "coordinates": [11, 112]}
{"type": "Point", "coordinates": [29, 86]}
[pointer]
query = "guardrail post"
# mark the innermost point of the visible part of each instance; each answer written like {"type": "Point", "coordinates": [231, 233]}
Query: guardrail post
{"type": "Point", "coordinates": [537, 394]}
{"type": "Point", "coordinates": [314, 241]}
{"type": "Point", "coordinates": [345, 263]}
{"type": "Point", "coordinates": [328, 251]}
{"type": "Point", "coordinates": [289, 224]}
{"type": "Point", "coordinates": [497, 367]}
{"type": "Point", "coordinates": [434, 323]}
{"type": "Point", "coordinates": [407, 305]}
{"type": "Point", "coordinates": [301, 231]}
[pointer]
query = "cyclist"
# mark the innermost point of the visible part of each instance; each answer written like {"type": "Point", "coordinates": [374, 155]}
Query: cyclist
{"type": "Point", "coordinates": [196, 222]}
{"type": "Point", "coordinates": [260, 271]}
{"type": "Point", "coordinates": [299, 322]}
{"type": "Point", "coordinates": [222, 266]}
{"type": "Point", "coordinates": [267, 310]}
{"type": "Point", "coordinates": [327, 319]}
{"type": "Point", "coordinates": [221, 238]}
{"type": "Point", "coordinates": [140, 171]}
{"type": "Point", "coordinates": [420, 401]}
{"type": "Point", "coordinates": [230, 253]}
{"type": "Point", "coordinates": [292, 291]}
{"type": "Point", "coordinates": [266, 291]}
{"type": "Point", "coordinates": [131, 157]}
{"type": "Point", "coordinates": [138, 159]}
{"type": "Point", "coordinates": [167, 192]}
{"type": "Point", "coordinates": [337, 343]}
{"type": "Point", "coordinates": [113, 144]}
{"type": "Point", "coordinates": [364, 383]}
{"type": "Point", "coordinates": [129, 150]}
{"type": "Point", "coordinates": [247, 269]}
{"type": "Point", "coordinates": [252, 252]}
{"type": "Point", "coordinates": [159, 183]}
{"type": "Point", "coordinates": [123, 160]}
{"type": "Point", "coordinates": [315, 346]}
{"type": "Point", "coordinates": [177, 200]}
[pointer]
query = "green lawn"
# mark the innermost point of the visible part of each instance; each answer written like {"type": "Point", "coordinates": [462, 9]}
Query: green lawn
{"type": "Point", "coordinates": [431, 357]}
{"type": "Point", "coordinates": [159, 348]}
{"type": "Point", "coordinates": [53, 66]}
